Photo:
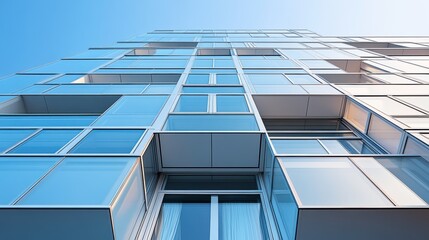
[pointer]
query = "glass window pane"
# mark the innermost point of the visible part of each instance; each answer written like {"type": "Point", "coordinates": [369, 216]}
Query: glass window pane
{"type": "Point", "coordinates": [284, 205]}
{"type": "Point", "coordinates": [384, 134]}
{"type": "Point", "coordinates": [81, 181]}
{"type": "Point", "coordinates": [70, 66]}
{"type": "Point", "coordinates": [198, 79]}
{"type": "Point", "coordinates": [129, 205]}
{"type": "Point", "coordinates": [108, 141]}
{"type": "Point", "coordinates": [8, 138]}
{"type": "Point", "coordinates": [332, 182]}
{"type": "Point", "coordinates": [405, 180]}
{"type": "Point", "coordinates": [268, 79]}
{"type": "Point", "coordinates": [212, 90]}
{"type": "Point", "coordinates": [18, 174]}
{"type": "Point", "coordinates": [46, 121]}
{"type": "Point", "coordinates": [241, 217]}
{"type": "Point", "coordinates": [192, 104]}
{"type": "Point", "coordinates": [161, 89]}
{"type": "Point", "coordinates": [46, 141]}
{"type": "Point", "coordinates": [356, 116]}
{"type": "Point", "coordinates": [347, 146]}
{"type": "Point", "coordinates": [231, 104]}
{"type": "Point", "coordinates": [211, 123]}
{"type": "Point", "coordinates": [186, 217]}
{"type": "Point", "coordinates": [150, 169]}
{"type": "Point", "coordinates": [227, 79]}
{"type": "Point", "coordinates": [389, 106]}
{"type": "Point", "coordinates": [18, 82]}
{"type": "Point", "coordinates": [302, 79]}
{"type": "Point", "coordinates": [298, 147]}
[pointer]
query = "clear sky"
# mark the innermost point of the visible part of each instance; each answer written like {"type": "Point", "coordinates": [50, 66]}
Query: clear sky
{"type": "Point", "coordinates": [34, 32]}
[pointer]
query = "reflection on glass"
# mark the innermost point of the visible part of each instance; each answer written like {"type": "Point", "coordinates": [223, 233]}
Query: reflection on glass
{"type": "Point", "coordinates": [8, 138]}
{"type": "Point", "coordinates": [46, 141]}
{"type": "Point", "coordinates": [211, 123]}
{"type": "Point", "coordinates": [198, 79]}
{"type": "Point", "coordinates": [231, 104]}
{"type": "Point", "coordinates": [332, 182]}
{"type": "Point", "coordinates": [298, 147]}
{"type": "Point", "coordinates": [189, 103]}
{"type": "Point", "coordinates": [184, 218]}
{"type": "Point", "coordinates": [227, 79]}
{"type": "Point", "coordinates": [284, 205]}
{"type": "Point", "coordinates": [108, 141]}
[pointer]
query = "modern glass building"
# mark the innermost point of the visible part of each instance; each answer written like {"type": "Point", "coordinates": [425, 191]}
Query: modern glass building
{"type": "Point", "coordinates": [220, 134]}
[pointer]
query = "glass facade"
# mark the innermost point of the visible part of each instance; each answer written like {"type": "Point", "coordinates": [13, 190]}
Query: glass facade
{"type": "Point", "coordinates": [220, 134]}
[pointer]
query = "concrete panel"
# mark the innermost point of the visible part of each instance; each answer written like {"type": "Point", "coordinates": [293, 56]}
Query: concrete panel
{"type": "Point", "coordinates": [236, 150]}
{"type": "Point", "coordinates": [358, 224]}
{"type": "Point", "coordinates": [53, 224]}
{"type": "Point", "coordinates": [185, 150]}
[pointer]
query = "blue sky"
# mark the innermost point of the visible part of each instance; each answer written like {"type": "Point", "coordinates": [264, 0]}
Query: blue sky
{"type": "Point", "coordinates": [41, 31]}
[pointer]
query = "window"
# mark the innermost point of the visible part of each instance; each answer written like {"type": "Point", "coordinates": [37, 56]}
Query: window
{"type": "Point", "coordinates": [46, 121]}
{"type": "Point", "coordinates": [191, 216]}
{"type": "Point", "coordinates": [108, 141]}
{"type": "Point", "coordinates": [298, 147]}
{"type": "Point", "coordinates": [356, 116]}
{"type": "Point", "coordinates": [17, 175]}
{"type": "Point", "coordinates": [384, 134]}
{"type": "Point", "coordinates": [212, 90]}
{"type": "Point", "coordinates": [231, 103]}
{"type": "Point", "coordinates": [81, 181]}
{"type": "Point", "coordinates": [192, 103]}
{"type": "Point", "coordinates": [133, 111]}
{"type": "Point", "coordinates": [46, 141]}
{"type": "Point", "coordinates": [70, 66]}
{"type": "Point", "coordinates": [211, 183]}
{"type": "Point", "coordinates": [227, 79]}
{"type": "Point", "coordinates": [198, 79]}
{"type": "Point", "coordinates": [339, 183]}
{"type": "Point", "coordinates": [268, 79]}
{"type": "Point", "coordinates": [8, 138]}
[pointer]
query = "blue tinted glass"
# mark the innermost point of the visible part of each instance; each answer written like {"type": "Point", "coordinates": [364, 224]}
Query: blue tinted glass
{"type": "Point", "coordinates": [46, 121]}
{"type": "Point", "coordinates": [70, 66]}
{"type": "Point", "coordinates": [347, 146]}
{"type": "Point", "coordinates": [8, 138]}
{"type": "Point", "coordinates": [125, 120]}
{"type": "Point", "coordinates": [192, 104]}
{"type": "Point", "coordinates": [18, 174]}
{"type": "Point", "coordinates": [298, 147]}
{"type": "Point", "coordinates": [268, 64]}
{"type": "Point", "coordinates": [219, 70]}
{"type": "Point", "coordinates": [284, 205]}
{"type": "Point", "coordinates": [97, 89]}
{"type": "Point", "coordinates": [108, 141]}
{"type": "Point", "coordinates": [129, 205]}
{"type": "Point", "coordinates": [268, 79]}
{"type": "Point", "coordinates": [211, 123]}
{"type": "Point", "coordinates": [185, 220]}
{"type": "Point", "coordinates": [35, 89]}
{"type": "Point", "coordinates": [227, 79]}
{"type": "Point", "coordinates": [18, 82]}
{"type": "Point", "coordinates": [163, 89]}
{"type": "Point", "coordinates": [302, 79]}
{"type": "Point", "coordinates": [150, 169]}
{"type": "Point", "coordinates": [46, 141]}
{"type": "Point", "coordinates": [197, 79]}
{"type": "Point", "coordinates": [212, 90]}
{"type": "Point", "coordinates": [203, 63]}
{"type": "Point", "coordinates": [101, 53]}
{"type": "Point", "coordinates": [231, 104]}
{"type": "Point", "coordinates": [66, 79]}
{"type": "Point", "coordinates": [80, 181]}
{"type": "Point", "coordinates": [154, 63]}
{"type": "Point", "coordinates": [6, 98]}
{"type": "Point", "coordinates": [222, 63]}
{"type": "Point", "coordinates": [139, 105]}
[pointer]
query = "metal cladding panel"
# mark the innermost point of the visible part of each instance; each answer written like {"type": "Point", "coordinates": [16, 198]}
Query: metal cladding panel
{"type": "Point", "coordinates": [53, 224]}
{"type": "Point", "coordinates": [368, 224]}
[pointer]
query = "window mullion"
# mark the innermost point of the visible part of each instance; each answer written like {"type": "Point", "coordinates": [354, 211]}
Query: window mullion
{"type": "Point", "coordinates": [214, 218]}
